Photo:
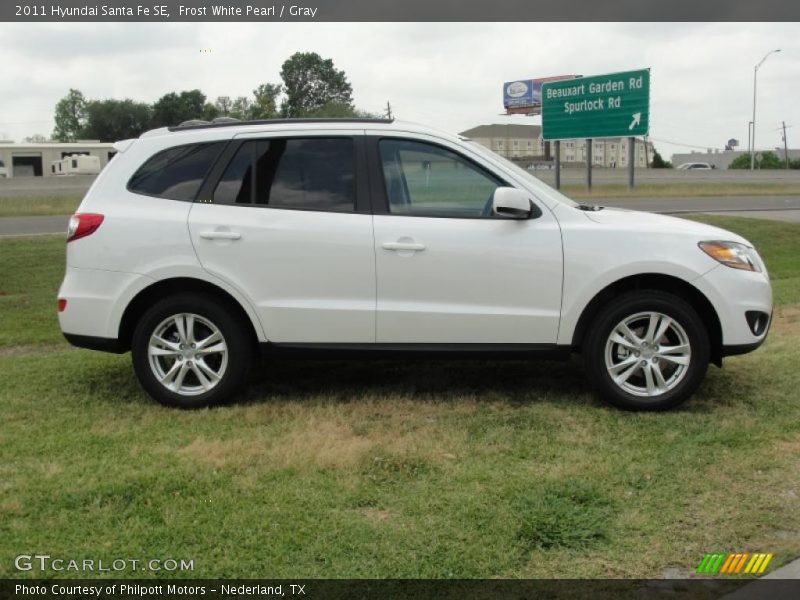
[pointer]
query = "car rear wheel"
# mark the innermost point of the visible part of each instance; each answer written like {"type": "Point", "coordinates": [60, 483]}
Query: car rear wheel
{"type": "Point", "coordinates": [190, 351]}
{"type": "Point", "coordinates": [648, 350]}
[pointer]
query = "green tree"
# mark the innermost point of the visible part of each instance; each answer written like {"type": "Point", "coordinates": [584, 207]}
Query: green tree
{"type": "Point", "coordinates": [769, 160]}
{"type": "Point", "coordinates": [113, 120]}
{"type": "Point", "coordinates": [223, 106]}
{"type": "Point", "coordinates": [311, 83]}
{"type": "Point", "coordinates": [210, 111]}
{"type": "Point", "coordinates": [70, 116]}
{"type": "Point", "coordinates": [241, 108]}
{"type": "Point", "coordinates": [337, 110]}
{"type": "Point", "coordinates": [659, 162]}
{"type": "Point", "coordinates": [172, 109]}
{"type": "Point", "coordinates": [265, 105]}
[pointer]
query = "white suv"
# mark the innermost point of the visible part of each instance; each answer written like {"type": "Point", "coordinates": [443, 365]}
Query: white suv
{"type": "Point", "coordinates": [201, 244]}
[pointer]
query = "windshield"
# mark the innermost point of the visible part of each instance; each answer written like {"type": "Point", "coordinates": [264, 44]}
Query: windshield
{"type": "Point", "coordinates": [540, 186]}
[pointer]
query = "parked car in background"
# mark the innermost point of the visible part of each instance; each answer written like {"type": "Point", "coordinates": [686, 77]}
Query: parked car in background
{"type": "Point", "coordinates": [202, 244]}
{"type": "Point", "coordinates": [694, 166]}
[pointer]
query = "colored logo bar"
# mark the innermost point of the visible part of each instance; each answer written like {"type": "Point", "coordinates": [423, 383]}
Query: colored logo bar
{"type": "Point", "coordinates": [734, 563]}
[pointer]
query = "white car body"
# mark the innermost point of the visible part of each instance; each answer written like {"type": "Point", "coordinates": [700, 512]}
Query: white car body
{"type": "Point", "coordinates": [694, 166]}
{"type": "Point", "coordinates": [324, 278]}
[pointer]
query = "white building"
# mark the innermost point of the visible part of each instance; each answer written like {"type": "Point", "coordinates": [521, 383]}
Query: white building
{"type": "Point", "coordinates": [525, 141]}
{"type": "Point", "coordinates": [37, 159]}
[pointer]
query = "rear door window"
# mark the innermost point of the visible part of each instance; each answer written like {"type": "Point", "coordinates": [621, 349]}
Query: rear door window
{"type": "Point", "coordinates": [305, 174]}
{"type": "Point", "coordinates": [176, 173]}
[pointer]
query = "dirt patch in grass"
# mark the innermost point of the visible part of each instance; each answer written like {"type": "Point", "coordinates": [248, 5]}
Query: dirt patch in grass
{"type": "Point", "coordinates": [31, 348]}
{"type": "Point", "coordinates": [374, 515]}
{"type": "Point", "coordinates": [219, 454]}
{"type": "Point", "coordinates": [329, 442]}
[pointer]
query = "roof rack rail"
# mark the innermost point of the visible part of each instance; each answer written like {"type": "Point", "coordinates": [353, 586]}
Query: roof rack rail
{"type": "Point", "coordinates": [194, 123]}
{"type": "Point", "coordinates": [229, 121]}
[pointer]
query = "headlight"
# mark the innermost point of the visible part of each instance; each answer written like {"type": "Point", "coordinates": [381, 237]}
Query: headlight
{"type": "Point", "coordinates": [733, 254]}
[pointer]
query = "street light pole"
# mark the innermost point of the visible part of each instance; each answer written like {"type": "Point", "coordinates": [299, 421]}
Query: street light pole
{"type": "Point", "coordinates": [755, 79]}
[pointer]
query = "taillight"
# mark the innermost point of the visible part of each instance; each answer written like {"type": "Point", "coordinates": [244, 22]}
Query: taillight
{"type": "Point", "coordinates": [62, 304]}
{"type": "Point", "coordinates": [83, 224]}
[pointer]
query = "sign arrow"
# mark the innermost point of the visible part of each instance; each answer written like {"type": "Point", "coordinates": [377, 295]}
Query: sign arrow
{"type": "Point", "coordinates": [637, 118]}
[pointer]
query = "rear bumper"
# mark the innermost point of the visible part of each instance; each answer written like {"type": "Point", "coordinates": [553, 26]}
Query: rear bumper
{"type": "Point", "coordinates": [96, 343]}
{"type": "Point", "coordinates": [96, 300]}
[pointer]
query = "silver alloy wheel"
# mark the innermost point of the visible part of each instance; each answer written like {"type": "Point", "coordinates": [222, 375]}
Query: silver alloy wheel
{"type": "Point", "coordinates": [188, 354]}
{"type": "Point", "coordinates": [648, 354]}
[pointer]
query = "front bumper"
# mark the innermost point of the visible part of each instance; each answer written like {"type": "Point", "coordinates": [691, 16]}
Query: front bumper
{"type": "Point", "coordinates": [733, 293]}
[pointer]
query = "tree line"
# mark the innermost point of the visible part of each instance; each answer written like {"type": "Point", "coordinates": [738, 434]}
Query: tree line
{"type": "Point", "coordinates": [310, 87]}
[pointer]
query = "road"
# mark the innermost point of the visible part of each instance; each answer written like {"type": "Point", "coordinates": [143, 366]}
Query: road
{"type": "Point", "coordinates": [16, 226]}
{"type": "Point", "coordinates": [779, 208]}
{"type": "Point", "coordinates": [26, 187]}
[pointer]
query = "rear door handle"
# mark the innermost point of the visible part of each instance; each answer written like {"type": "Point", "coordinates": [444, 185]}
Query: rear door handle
{"type": "Point", "coordinates": [220, 235]}
{"type": "Point", "coordinates": [413, 246]}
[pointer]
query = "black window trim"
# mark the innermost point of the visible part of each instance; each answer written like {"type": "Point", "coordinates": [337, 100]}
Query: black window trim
{"type": "Point", "coordinates": [361, 204]}
{"type": "Point", "coordinates": [226, 143]}
{"type": "Point", "coordinates": [380, 200]}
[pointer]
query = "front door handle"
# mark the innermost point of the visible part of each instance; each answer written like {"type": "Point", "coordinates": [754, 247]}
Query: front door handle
{"type": "Point", "coordinates": [412, 246]}
{"type": "Point", "coordinates": [220, 235]}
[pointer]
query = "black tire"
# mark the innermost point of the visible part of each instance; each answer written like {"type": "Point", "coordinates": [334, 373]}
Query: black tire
{"type": "Point", "coordinates": [633, 303]}
{"type": "Point", "coordinates": [236, 337]}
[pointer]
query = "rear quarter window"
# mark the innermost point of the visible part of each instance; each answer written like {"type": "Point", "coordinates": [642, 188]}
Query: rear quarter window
{"type": "Point", "coordinates": [176, 173]}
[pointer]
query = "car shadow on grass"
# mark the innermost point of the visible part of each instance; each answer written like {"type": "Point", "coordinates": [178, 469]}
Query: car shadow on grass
{"type": "Point", "coordinates": [512, 381]}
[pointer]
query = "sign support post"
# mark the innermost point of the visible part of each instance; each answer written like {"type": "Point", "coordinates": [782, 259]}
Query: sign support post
{"type": "Point", "coordinates": [631, 160]}
{"type": "Point", "coordinates": [558, 164]}
{"type": "Point", "coordinates": [589, 164]}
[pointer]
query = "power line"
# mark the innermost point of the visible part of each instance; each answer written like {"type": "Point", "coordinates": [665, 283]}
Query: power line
{"type": "Point", "coordinates": [670, 142]}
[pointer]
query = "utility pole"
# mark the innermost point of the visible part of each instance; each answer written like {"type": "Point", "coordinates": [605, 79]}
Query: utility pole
{"type": "Point", "coordinates": [785, 145]}
{"type": "Point", "coordinates": [388, 110]}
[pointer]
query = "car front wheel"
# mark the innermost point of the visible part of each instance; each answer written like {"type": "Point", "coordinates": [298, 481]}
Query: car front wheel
{"type": "Point", "coordinates": [648, 350]}
{"type": "Point", "coordinates": [189, 351]}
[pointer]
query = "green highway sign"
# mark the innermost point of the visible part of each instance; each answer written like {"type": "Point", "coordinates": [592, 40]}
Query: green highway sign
{"type": "Point", "coordinates": [613, 105]}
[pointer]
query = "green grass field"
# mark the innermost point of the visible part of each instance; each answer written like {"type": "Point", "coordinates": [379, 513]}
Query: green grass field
{"type": "Point", "coordinates": [388, 469]}
{"type": "Point", "coordinates": [39, 206]}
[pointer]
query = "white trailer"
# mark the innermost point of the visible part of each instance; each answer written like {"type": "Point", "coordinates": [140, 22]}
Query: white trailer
{"type": "Point", "coordinates": [76, 164]}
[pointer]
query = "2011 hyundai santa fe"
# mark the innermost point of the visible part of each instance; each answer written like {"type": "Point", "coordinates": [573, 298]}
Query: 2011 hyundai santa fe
{"type": "Point", "coordinates": [201, 244]}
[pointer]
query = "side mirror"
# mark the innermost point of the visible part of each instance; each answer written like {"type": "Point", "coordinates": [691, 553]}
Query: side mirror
{"type": "Point", "coordinates": [512, 203]}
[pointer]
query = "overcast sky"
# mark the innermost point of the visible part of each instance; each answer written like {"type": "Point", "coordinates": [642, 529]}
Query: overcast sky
{"type": "Point", "coordinates": [448, 75]}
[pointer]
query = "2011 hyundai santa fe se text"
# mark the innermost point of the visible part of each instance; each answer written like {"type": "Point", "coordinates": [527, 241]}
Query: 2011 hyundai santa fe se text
{"type": "Point", "coordinates": [200, 245]}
